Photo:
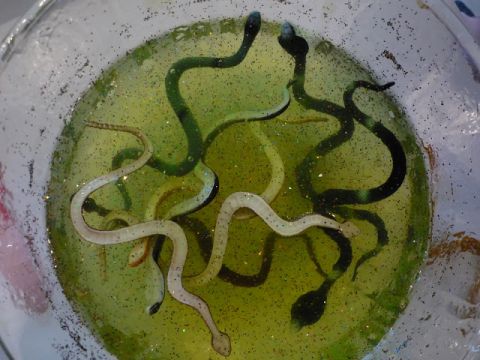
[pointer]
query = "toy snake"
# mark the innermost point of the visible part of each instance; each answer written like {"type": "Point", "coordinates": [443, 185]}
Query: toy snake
{"type": "Point", "coordinates": [310, 306]}
{"type": "Point", "coordinates": [205, 242]}
{"type": "Point", "coordinates": [282, 227]}
{"type": "Point", "coordinates": [183, 112]}
{"type": "Point", "coordinates": [220, 341]}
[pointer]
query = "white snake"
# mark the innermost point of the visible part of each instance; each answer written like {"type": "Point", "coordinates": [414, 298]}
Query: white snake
{"type": "Point", "coordinates": [139, 252]}
{"type": "Point", "coordinates": [220, 341]}
{"type": "Point", "coordinates": [208, 178]}
{"type": "Point", "coordinates": [154, 295]}
{"type": "Point", "coordinates": [255, 203]}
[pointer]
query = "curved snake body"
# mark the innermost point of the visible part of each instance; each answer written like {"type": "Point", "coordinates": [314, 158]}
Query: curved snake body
{"type": "Point", "coordinates": [210, 179]}
{"type": "Point", "coordinates": [335, 197]}
{"type": "Point", "coordinates": [138, 255]}
{"type": "Point", "coordinates": [310, 306]}
{"type": "Point", "coordinates": [183, 112]}
{"type": "Point", "coordinates": [205, 242]}
{"type": "Point", "coordinates": [298, 48]}
{"type": "Point", "coordinates": [282, 227]}
{"type": "Point", "coordinates": [220, 341]}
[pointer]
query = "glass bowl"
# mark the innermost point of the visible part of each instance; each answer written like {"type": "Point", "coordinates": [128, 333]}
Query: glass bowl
{"type": "Point", "coordinates": [60, 47]}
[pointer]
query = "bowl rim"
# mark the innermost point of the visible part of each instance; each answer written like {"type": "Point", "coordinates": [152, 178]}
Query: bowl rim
{"type": "Point", "coordinates": [13, 41]}
{"type": "Point", "coordinates": [446, 14]}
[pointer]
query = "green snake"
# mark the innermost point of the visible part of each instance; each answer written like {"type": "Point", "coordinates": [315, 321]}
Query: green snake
{"type": "Point", "coordinates": [310, 307]}
{"type": "Point", "coordinates": [397, 175]}
{"type": "Point", "coordinates": [183, 112]}
{"type": "Point", "coordinates": [220, 341]}
{"type": "Point", "coordinates": [210, 185]}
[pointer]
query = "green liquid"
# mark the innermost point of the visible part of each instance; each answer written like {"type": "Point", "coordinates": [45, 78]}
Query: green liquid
{"type": "Point", "coordinates": [110, 296]}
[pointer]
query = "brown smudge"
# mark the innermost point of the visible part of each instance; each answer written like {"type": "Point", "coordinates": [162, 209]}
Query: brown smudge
{"type": "Point", "coordinates": [447, 248]}
{"type": "Point", "coordinates": [139, 252]}
{"type": "Point", "coordinates": [474, 293]}
{"type": "Point", "coordinates": [461, 243]}
{"type": "Point", "coordinates": [422, 5]}
{"type": "Point", "coordinates": [102, 254]}
{"type": "Point", "coordinates": [432, 156]}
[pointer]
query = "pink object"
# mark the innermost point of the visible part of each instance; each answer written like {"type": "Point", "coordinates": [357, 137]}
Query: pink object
{"type": "Point", "coordinates": [16, 261]}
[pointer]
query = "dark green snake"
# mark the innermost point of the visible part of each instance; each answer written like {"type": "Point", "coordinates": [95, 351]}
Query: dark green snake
{"type": "Point", "coordinates": [310, 307]}
{"type": "Point", "coordinates": [192, 131]}
{"type": "Point", "coordinates": [242, 117]}
{"type": "Point", "coordinates": [336, 197]}
{"type": "Point", "coordinates": [205, 242]}
{"type": "Point", "coordinates": [183, 112]}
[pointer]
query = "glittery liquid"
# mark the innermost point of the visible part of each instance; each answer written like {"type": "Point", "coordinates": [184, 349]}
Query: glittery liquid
{"type": "Point", "coordinates": [110, 296]}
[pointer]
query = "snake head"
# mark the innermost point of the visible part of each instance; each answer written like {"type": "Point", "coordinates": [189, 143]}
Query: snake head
{"type": "Point", "coordinates": [252, 26]}
{"type": "Point", "coordinates": [221, 344]}
{"type": "Point", "coordinates": [309, 307]}
{"type": "Point", "coordinates": [291, 43]}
